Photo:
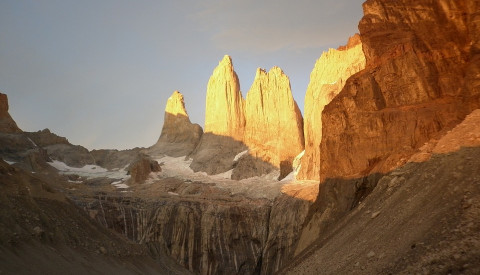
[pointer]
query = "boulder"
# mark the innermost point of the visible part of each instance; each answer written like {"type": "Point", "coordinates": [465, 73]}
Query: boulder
{"type": "Point", "coordinates": [140, 169]}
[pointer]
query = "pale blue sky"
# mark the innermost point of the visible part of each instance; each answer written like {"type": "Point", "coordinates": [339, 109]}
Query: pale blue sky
{"type": "Point", "coordinates": [100, 72]}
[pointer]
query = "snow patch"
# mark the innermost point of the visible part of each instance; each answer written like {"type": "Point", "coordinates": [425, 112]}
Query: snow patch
{"type": "Point", "coordinates": [224, 175]}
{"type": "Point", "coordinates": [9, 162]}
{"type": "Point", "coordinates": [173, 193]}
{"type": "Point", "coordinates": [239, 155]}
{"type": "Point", "coordinates": [32, 142]}
{"type": "Point", "coordinates": [290, 177]}
{"type": "Point", "coordinates": [120, 184]}
{"type": "Point", "coordinates": [89, 171]}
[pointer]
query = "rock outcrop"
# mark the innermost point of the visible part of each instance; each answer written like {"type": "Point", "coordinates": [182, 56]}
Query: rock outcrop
{"type": "Point", "coordinates": [224, 112]}
{"type": "Point", "coordinates": [327, 79]}
{"type": "Point", "coordinates": [421, 76]}
{"type": "Point", "coordinates": [141, 167]}
{"type": "Point", "coordinates": [207, 228]}
{"type": "Point", "coordinates": [274, 123]}
{"type": "Point", "coordinates": [7, 124]}
{"type": "Point", "coordinates": [421, 79]}
{"type": "Point", "coordinates": [224, 122]}
{"type": "Point", "coordinates": [179, 136]}
{"type": "Point", "coordinates": [111, 158]}
{"type": "Point", "coordinates": [46, 138]}
{"type": "Point", "coordinates": [43, 232]}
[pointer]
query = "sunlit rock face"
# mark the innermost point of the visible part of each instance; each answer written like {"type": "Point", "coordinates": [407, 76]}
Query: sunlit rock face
{"type": "Point", "coordinates": [421, 76]}
{"type": "Point", "coordinates": [179, 136]}
{"type": "Point", "coordinates": [224, 122]}
{"type": "Point", "coordinates": [420, 79]}
{"type": "Point", "coordinates": [274, 123]}
{"type": "Point", "coordinates": [224, 112]}
{"type": "Point", "coordinates": [7, 124]}
{"type": "Point", "coordinates": [327, 79]}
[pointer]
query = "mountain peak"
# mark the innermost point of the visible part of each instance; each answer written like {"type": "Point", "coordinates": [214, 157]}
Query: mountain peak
{"type": "Point", "coordinates": [176, 105]}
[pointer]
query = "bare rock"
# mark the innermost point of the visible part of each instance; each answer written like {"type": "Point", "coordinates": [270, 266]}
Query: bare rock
{"type": "Point", "coordinates": [224, 112]}
{"type": "Point", "coordinates": [140, 169]}
{"type": "Point", "coordinates": [179, 136]}
{"type": "Point", "coordinates": [274, 123]}
{"type": "Point", "coordinates": [7, 124]}
{"type": "Point", "coordinates": [45, 138]}
{"type": "Point", "coordinates": [327, 79]}
{"type": "Point", "coordinates": [421, 77]}
{"type": "Point", "coordinates": [224, 122]}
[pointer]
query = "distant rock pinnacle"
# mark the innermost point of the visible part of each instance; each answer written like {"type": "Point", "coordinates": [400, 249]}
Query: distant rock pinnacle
{"type": "Point", "coordinates": [179, 136]}
{"type": "Point", "coordinates": [7, 124]}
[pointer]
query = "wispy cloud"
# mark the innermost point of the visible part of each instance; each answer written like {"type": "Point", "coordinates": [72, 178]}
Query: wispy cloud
{"type": "Point", "coordinates": [270, 25]}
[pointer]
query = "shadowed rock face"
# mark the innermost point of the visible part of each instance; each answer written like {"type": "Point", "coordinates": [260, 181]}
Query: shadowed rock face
{"type": "Point", "coordinates": [421, 76]}
{"type": "Point", "coordinates": [327, 79]}
{"type": "Point", "coordinates": [7, 124]}
{"type": "Point", "coordinates": [274, 124]}
{"type": "Point", "coordinates": [179, 136]}
{"type": "Point", "coordinates": [204, 228]}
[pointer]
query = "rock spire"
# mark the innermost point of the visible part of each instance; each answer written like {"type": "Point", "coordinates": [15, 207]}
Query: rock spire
{"type": "Point", "coordinates": [327, 79]}
{"type": "Point", "coordinates": [274, 123]}
{"type": "Point", "coordinates": [7, 124]}
{"type": "Point", "coordinates": [179, 136]}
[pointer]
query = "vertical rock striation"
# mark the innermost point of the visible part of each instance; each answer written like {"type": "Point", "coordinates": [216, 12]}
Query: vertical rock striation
{"type": "Point", "coordinates": [224, 122]}
{"type": "Point", "coordinates": [7, 124]}
{"type": "Point", "coordinates": [179, 136]}
{"type": "Point", "coordinates": [274, 123]}
{"type": "Point", "coordinates": [327, 79]}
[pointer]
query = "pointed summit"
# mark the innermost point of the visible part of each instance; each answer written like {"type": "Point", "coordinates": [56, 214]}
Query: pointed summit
{"type": "Point", "coordinates": [224, 104]}
{"type": "Point", "coordinates": [179, 136]}
{"type": "Point", "coordinates": [224, 121]}
{"type": "Point", "coordinates": [227, 60]}
{"type": "Point", "coordinates": [176, 105]}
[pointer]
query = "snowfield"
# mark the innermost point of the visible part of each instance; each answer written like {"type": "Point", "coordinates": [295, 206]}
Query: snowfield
{"type": "Point", "coordinates": [93, 171]}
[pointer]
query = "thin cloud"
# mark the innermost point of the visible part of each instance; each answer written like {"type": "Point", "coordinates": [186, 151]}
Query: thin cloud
{"type": "Point", "coordinates": [268, 26]}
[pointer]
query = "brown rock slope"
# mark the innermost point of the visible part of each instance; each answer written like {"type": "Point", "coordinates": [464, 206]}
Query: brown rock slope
{"type": "Point", "coordinates": [274, 123]}
{"type": "Point", "coordinates": [421, 77]}
{"type": "Point", "coordinates": [43, 232]}
{"type": "Point", "coordinates": [326, 80]}
{"type": "Point", "coordinates": [7, 124]}
{"type": "Point", "coordinates": [224, 122]}
{"type": "Point", "coordinates": [422, 218]}
{"type": "Point", "coordinates": [179, 136]}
